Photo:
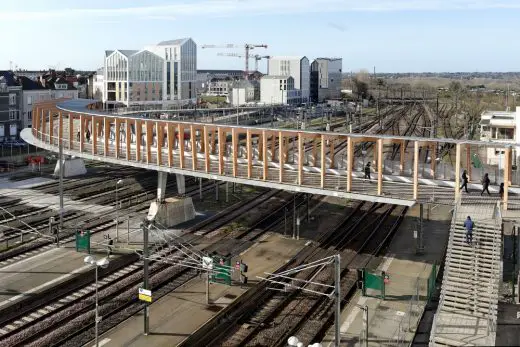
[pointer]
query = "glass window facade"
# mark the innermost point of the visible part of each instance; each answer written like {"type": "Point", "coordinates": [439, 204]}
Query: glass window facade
{"type": "Point", "coordinates": [145, 67]}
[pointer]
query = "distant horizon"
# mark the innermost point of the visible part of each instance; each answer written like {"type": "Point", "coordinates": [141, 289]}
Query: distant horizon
{"type": "Point", "coordinates": [370, 72]}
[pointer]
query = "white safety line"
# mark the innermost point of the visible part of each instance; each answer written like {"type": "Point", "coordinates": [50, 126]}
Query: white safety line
{"type": "Point", "coordinates": [35, 289]}
{"type": "Point", "coordinates": [386, 264]}
{"type": "Point", "coordinates": [46, 253]}
{"type": "Point", "coordinates": [103, 342]}
{"type": "Point", "coordinates": [351, 317]}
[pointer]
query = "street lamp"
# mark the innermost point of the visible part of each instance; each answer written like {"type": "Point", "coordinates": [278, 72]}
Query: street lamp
{"type": "Point", "coordinates": [120, 182]}
{"type": "Point", "coordinates": [103, 263]}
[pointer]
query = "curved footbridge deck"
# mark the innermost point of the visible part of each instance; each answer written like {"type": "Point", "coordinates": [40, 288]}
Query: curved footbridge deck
{"type": "Point", "coordinates": [325, 163]}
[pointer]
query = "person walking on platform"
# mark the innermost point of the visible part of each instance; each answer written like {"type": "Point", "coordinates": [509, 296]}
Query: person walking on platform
{"type": "Point", "coordinates": [110, 247]}
{"type": "Point", "coordinates": [501, 191]}
{"type": "Point", "coordinates": [464, 181]}
{"type": "Point", "coordinates": [485, 184]}
{"type": "Point", "coordinates": [468, 224]}
{"type": "Point", "coordinates": [367, 171]}
{"type": "Point", "coordinates": [87, 135]}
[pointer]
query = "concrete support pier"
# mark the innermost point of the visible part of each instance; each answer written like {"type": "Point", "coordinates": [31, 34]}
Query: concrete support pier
{"type": "Point", "coordinates": [181, 184]}
{"type": "Point", "coordinates": [71, 167]}
{"type": "Point", "coordinates": [168, 212]}
{"type": "Point", "coordinates": [162, 180]}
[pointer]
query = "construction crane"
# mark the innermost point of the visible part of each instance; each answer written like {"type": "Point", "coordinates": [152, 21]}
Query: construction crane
{"type": "Point", "coordinates": [257, 57]}
{"type": "Point", "coordinates": [247, 47]}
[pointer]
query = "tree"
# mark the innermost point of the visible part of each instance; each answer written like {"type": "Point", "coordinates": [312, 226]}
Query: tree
{"type": "Point", "coordinates": [70, 71]}
{"type": "Point", "coordinates": [360, 81]}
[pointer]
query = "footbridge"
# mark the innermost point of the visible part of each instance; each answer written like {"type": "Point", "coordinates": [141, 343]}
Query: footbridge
{"type": "Point", "coordinates": [405, 170]}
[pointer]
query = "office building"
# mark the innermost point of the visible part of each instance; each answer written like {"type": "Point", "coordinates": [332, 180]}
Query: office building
{"type": "Point", "coordinates": [325, 79]}
{"type": "Point", "coordinates": [296, 67]}
{"type": "Point", "coordinates": [159, 74]}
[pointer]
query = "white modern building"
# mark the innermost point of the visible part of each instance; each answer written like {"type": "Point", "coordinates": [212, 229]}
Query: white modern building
{"type": "Point", "coordinates": [98, 84]}
{"type": "Point", "coordinates": [243, 92]}
{"type": "Point", "coordinates": [296, 67]}
{"type": "Point", "coordinates": [499, 126]}
{"type": "Point", "coordinates": [279, 90]}
{"type": "Point", "coordinates": [326, 79]}
{"type": "Point", "coordinates": [158, 74]}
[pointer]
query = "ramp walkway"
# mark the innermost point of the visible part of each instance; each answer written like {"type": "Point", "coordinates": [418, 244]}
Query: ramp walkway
{"type": "Point", "coordinates": [467, 312]}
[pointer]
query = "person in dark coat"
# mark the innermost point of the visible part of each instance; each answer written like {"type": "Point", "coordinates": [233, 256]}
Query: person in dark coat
{"type": "Point", "coordinates": [485, 185]}
{"type": "Point", "coordinates": [87, 135]}
{"type": "Point", "coordinates": [367, 171]}
{"type": "Point", "coordinates": [468, 224]}
{"type": "Point", "coordinates": [501, 192]}
{"type": "Point", "coordinates": [110, 247]}
{"type": "Point", "coordinates": [464, 181]}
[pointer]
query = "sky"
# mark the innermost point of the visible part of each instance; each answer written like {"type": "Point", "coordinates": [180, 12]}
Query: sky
{"type": "Point", "coordinates": [390, 35]}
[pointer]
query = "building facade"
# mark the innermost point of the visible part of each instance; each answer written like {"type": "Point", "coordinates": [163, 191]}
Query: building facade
{"type": "Point", "coordinates": [325, 80]}
{"type": "Point", "coordinates": [219, 87]}
{"type": "Point", "coordinates": [279, 90]}
{"type": "Point", "coordinates": [499, 126]}
{"type": "Point", "coordinates": [243, 92]}
{"type": "Point", "coordinates": [154, 75]}
{"type": "Point", "coordinates": [97, 85]}
{"type": "Point", "coordinates": [10, 107]}
{"type": "Point", "coordinates": [296, 67]}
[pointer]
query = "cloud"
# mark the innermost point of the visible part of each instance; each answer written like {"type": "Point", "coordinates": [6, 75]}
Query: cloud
{"type": "Point", "coordinates": [220, 8]}
{"type": "Point", "coordinates": [337, 26]}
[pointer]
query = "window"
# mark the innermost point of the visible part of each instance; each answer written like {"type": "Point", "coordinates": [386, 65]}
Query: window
{"type": "Point", "coordinates": [12, 114]}
{"type": "Point", "coordinates": [12, 99]}
{"type": "Point", "coordinates": [29, 115]}
{"type": "Point", "coordinates": [29, 100]}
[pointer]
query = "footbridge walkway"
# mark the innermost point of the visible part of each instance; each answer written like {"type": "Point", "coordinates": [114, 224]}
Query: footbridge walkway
{"type": "Point", "coordinates": [405, 171]}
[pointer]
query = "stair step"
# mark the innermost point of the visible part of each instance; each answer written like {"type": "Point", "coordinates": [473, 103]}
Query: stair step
{"type": "Point", "coordinates": [443, 341]}
{"type": "Point", "coordinates": [463, 310]}
{"type": "Point", "coordinates": [469, 307]}
{"type": "Point", "coordinates": [461, 278]}
{"type": "Point", "coordinates": [463, 295]}
{"type": "Point", "coordinates": [465, 261]}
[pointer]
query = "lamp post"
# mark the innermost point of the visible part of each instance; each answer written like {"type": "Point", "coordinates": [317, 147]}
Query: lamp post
{"type": "Point", "coordinates": [120, 182]}
{"type": "Point", "coordinates": [103, 263]}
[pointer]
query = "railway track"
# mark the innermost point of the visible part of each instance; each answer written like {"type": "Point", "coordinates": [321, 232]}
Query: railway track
{"type": "Point", "coordinates": [95, 223]}
{"type": "Point", "coordinates": [276, 315]}
{"type": "Point", "coordinates": [72, 299]}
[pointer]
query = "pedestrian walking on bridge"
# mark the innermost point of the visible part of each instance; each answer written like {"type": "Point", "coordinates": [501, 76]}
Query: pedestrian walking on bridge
{"type": "Point", "coordinates": [464, 181]}
{"type": "Point", "coordinates": [485, 184]}
{"type": "Point", "coordinates": [367, 171]}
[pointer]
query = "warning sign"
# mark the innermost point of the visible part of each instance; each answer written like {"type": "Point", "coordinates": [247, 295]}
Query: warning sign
{"type": "Point", "coordinates": [145, 295]}
{"type": "Point", "coordinates": [386, 279]}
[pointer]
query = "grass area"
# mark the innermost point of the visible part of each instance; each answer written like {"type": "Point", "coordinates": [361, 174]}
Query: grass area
{"type": "Point", "coordinates": [213, 99]}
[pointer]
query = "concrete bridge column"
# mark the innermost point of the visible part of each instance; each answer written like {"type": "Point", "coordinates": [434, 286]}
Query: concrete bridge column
{"type": "Point", "coordinates": [181, 184]}
{"type": "Point", "coordinates": [172, 211]}
{"type": "Point", "coordinates": [162, 179]}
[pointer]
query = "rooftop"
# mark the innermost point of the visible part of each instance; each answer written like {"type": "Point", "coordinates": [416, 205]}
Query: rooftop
{"type": "Point", "coordinates": [173, 42]}
{"type": "Point", "coordinates": [276, 77]}
{"type": "Point", "coordinates": [288, 57]}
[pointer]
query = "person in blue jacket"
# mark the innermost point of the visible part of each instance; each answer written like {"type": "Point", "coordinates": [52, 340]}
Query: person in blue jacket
{"type": "Point", "coordinates": [468, 224]}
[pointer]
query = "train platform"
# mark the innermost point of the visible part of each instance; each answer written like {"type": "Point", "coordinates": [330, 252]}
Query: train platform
{"type": "Point", "coordinates": [394, 319]}
{"type": "Point", "coordinates": [177, 315]}
{"type": "Point", "coordinates": [47, 267]}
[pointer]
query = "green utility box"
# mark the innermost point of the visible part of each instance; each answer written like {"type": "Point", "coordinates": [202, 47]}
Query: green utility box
{"type": "Point", "coordinates": [83, 241]}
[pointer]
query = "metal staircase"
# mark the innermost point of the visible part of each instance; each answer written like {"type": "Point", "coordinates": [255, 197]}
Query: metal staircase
{"type": "Point", "coordinates": [467, 311]}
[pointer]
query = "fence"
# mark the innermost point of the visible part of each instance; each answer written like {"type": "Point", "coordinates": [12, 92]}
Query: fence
{"type": "Point", "coordinates": [12, 151]}
{"type": "Point", "coordinates": [412, 291]}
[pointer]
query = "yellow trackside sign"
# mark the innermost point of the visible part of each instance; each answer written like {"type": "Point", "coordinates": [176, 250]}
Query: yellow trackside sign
{"type": "Point", "coordinates": [145, 295]}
